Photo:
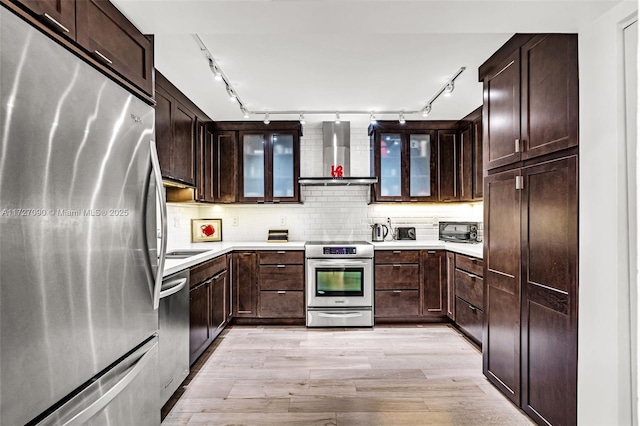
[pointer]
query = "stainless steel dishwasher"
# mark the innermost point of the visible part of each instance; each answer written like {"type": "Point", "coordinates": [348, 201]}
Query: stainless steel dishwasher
{"type": "Point", "coordinates": [173, 324]}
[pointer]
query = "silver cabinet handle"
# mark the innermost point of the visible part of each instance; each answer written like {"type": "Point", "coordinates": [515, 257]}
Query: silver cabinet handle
{"type": "Point", "coordinates": [155, 164]}
{"type": "Point", "coordinates": [340, 314]}
{"type": "Point", "coordinates": [282, 252]}
{"type": "Point", "coordinates": [56, 23]}
{"type": "Point", "coordinates": [174, 287]}
{"type": "Point", "coordinates": [217, 277]}
{"type": "Point", "coordinates": [395, 265]}
{"type": "Point", "coordinates": [281, 292]}
{"type": "Point", "coordinates": [397, 291]}
{"type": "Point", "coordinates": [281, 266]}
{"type": "Point", "coordinates": [397, 251]}
{"type": "Point", "coordinates": [101, 56]}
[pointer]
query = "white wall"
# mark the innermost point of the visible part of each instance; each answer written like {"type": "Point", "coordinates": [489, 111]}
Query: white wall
{"type": "Point", "coordinates": [326, 212]}
{"type": "Point", "coordinates": [604, 372]}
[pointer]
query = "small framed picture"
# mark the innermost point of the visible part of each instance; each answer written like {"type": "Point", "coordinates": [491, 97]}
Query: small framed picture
{"type": "Point", "coordinates": [206, 230]}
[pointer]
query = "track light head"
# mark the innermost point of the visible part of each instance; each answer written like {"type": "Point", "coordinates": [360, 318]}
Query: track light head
{"type": "Point", "coordinates": [448, 88]}
{"type": "Point", "coordinates": [372, 119]}
{"type": "Point", "coordinates": [401, 119]}
{"type": "Point", "coordinates": [232, 94]}
{"type": "Point", "coordinates": [337, 118]}
{"type": "Point", "coordinates": [266, 118]}
{"type": "Point", "coordinates": [244, 111]}
{"type": "Point", "coordinates": [426, 110]}
{"type": "Point", "coordinates": [302, 120]}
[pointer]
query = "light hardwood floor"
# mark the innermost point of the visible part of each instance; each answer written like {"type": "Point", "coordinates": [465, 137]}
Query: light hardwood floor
{"type": "Point", "coordinates": [388, 375]}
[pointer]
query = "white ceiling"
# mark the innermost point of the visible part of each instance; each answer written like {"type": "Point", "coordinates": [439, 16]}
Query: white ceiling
{"type": "Point", "coordinates": [304, 55]}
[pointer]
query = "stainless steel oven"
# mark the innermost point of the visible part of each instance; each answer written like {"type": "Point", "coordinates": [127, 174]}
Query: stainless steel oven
{"type": "Point", "coordinates": [339, 284]}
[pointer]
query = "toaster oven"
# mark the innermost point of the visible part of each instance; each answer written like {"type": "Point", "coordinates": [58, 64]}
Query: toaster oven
{"type": "Point", "coordinates": [458, 232]}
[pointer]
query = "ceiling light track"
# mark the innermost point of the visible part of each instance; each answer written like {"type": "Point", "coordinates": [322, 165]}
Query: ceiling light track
{"type": "Point", "coordinates": [219, 75]}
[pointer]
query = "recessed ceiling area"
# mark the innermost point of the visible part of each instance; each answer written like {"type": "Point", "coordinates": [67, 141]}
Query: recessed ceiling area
{"type": "Point", "coordinates": [341, 55]}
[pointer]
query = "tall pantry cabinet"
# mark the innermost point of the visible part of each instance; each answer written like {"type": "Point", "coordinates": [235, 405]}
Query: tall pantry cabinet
{"type": "Point", "coordinates": [530, 121]}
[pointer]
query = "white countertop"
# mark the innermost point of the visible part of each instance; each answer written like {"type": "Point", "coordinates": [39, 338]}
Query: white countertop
{"type": "Point", "coordinates": [172, 266]}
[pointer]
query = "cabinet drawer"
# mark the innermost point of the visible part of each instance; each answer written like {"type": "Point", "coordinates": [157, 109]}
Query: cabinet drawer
{"type": "Point", "coordinates": [281, 304]}
{"type": "Point", "coordinates": [470, 319]}
{"type": "Point", "coordinates": [398, 303]}
{"type": "Point", "coordinates": [469, 287]}
{"type": "Point", "coordinates": [469, 264]}
{"type": "Point", "coordinates": [397, 277]}
{"type": "Point", "coordinates": [281, 257]}
{"type": "Point", "coordinates": [397, 256]}
{"type": "Point", "coordinates": [206, 270]}
{"type": "Point", "coordinates": [281, 277]}
{"type": "Point", "coordinates": [109, 37]}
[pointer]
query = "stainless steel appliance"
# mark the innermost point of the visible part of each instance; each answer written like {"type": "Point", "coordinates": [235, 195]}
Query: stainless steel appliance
{"type": "Point", "coordinates": [405, 233]}
{"type": "Point", "coordinates": [339, 284]}
{"type": "Point", "coordinates": [379, 232]}
{"type": "Point", "coordinates": [79, 260]}
{"type": "Point", "coordinates": [173, 338]}
{"type": "Point", "coordinates": [458, 232]}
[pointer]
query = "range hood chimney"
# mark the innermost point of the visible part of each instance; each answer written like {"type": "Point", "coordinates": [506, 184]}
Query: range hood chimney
{"type": "Point", "coordinates": [336, 158]}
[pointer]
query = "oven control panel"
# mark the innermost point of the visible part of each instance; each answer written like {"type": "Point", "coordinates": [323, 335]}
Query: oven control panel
{"type": "Point", "coordinates": [339, 250]}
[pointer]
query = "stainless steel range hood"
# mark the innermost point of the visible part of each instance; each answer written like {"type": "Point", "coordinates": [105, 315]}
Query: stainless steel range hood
{"type": "Point", "coordinates": [336, 159]}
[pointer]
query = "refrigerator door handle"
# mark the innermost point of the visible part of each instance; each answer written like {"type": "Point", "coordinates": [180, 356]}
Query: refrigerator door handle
{"type": "Point", "coordinates": [174, 287]}
{"type": "Point", "coordinates": [132, 366]}
{"type": "Point", "coordinates": [155, 163]}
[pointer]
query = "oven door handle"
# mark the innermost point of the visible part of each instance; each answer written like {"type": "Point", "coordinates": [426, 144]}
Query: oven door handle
{"type": "Point", "coordinates": [338, 263]}
{"type": "Point", "coordinates": [340, 314]}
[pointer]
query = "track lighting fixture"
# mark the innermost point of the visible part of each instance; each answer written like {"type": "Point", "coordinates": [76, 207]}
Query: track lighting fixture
{"type": "Point", "coordinates": [446, 89]}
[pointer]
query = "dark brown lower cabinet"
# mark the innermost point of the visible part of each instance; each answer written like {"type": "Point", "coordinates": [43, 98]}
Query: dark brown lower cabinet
{"type": "Point", "coordinates": [434, 298]}
{"type": "Point", "coordinates": [245, 284]}
{"type": "Point", "coordinates": [281, 304]}
{"type": "Point", "coordinates": [469, 318]}
{"type": "Point", "coordinates": [199, 320]}
{"type": "Point", "coordinates": [531, 288]}
{"type": "Point", "coordinates": [397, 303]}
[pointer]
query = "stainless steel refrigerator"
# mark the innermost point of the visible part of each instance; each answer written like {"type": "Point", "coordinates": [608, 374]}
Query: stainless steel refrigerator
{"type": "Point", "coordinates": [79, 272]}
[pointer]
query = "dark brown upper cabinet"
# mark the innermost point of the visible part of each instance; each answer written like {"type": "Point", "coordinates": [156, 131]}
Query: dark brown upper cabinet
{"type": "Point", "coordinates": [470, 157]}
{"type": "Point", "coordinates": [60, 15]}
{"type": "Point", "coordinates": [97, 29]}
{"type": "Point", "coordinates": [218, 164]}
{"type": "Point", "coordinates": [530, 98]}
{"type": "Point", "coordinates": [257, 162]}
{"type": "Point", "coordinates": [423, 161]}
{"type": "Point", "coordinates": [180, 130]}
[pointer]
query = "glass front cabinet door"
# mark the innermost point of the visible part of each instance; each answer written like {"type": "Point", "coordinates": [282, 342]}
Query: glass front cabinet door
{"type": "Point", "coordinates": [404, 161]}
{"type": "Point", "coordinates": [270, 166]}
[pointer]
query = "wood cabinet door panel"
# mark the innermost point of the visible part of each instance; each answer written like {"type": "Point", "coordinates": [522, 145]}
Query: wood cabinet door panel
{"type": "Point", "coordinates": [105, 32]}
{"type": "Point", "coordinates": [447, 166]}
{"type": "Point", "coordinates": [398, 303]}
{"type": "Point", "coordinates": [501, 345]}
{"type": "Point", "coordinates": [282, 304]}
{"type": "Point", "coordinates": [501, 114]}
{"type": "Point", "coordinates": [245, 284]}
{"type": "Point", "coordinates": [549, 94]}
{"type": "Point", "coordinates": [184, 122]}
{"type": "Point", "coordinates": [199, 320]}
{"type": "Point", "coordinates": [61, 11]}
{"type": "Point", "coordinates": [451, 286]}
{"type": "Point", "coordinates": [550, 305]}
{"type": "Point", "coordinates": [281, 257]}
{"type": "Point", "coordinates": [164, 131]}
{"type": "Point", "coordinates": [465, 166]}
{"type": "Point", "coordinates": [396, 256]}
{"type": "Point", "coordinates": [469, 264]}
{"type": "Point", "coordinates": [224, 167]}
{"type": "Point", "coordinates": [281, 277]}
{"type": "Point", "coordinates": [218, 312]}
{"type": "Point", "coordinates": [434, 281]}
{"type": "Point", "coordinates": [478, 170]}
{"type": "Point", "coordinates": [397, 277]}
{"type": "Point", "coordinates": [470, 319]}
{"type": "Point", "coordinates": [470, 288]}
{"type": "Point", "coordinates": [206, 270]}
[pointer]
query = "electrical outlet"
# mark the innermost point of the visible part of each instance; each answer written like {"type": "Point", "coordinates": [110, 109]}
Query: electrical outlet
{"type": "Point", "coordinates": [235, 221]}
{"type": "Point", "coordinates": [283, 220]}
